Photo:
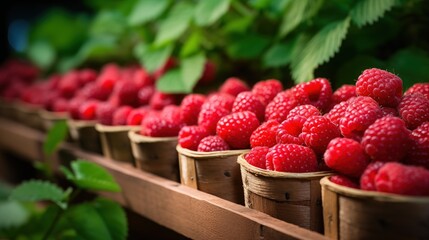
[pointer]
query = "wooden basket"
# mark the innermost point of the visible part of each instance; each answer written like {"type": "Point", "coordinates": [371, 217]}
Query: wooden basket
{"type": "Point", "coordinates": [84, 134]}
{"type": "Point", "coordinates": [291, 197]}
{"type": "Point", "coordinates": [216, 173]}
{"type": "Point", "coordinates": [155, 155]}
{"type": "Point", "coordinates": [6, 109]}
{"type": "Point", "coordinates": [356, 214]}
{"type": "Point", "coordinates": [50, 118]}
{"type": "Point", "coordinates": [29, 115]}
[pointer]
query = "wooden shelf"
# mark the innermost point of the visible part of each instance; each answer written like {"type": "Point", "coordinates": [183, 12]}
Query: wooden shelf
{"type": "Point", "coordinates": [190, 212]}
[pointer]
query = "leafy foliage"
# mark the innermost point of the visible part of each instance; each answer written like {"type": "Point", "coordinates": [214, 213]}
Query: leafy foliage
{"type": "Point", "coordinates": [208, 12]}
{"type": "Point", "coordinates": [15, 212]}
{"type": "Point", "coordinates": [55, 136]}
{"type": "Point", "coordinates": [153, 57]}
{"type": "Point", "coordinates": [37, 190]}
{"type": "Point", "coordinates": [369, 11]}
{"type": "Point", "coordinates": [151, 9]}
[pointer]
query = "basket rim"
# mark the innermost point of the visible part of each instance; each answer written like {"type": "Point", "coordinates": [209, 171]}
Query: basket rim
{"type": "Point", "coordinates": [203, 155]}
{"type": "Point", "coordinates": [26, 107]}
{"type": "Point", "coordinates": [135, 137]}
{"type": "Point", "coordinates": [274, 174]}
{"type": "Point", "coordinates": [363, 194]}
{"type": "Point", "coordinates": [49, 115]}
{"type": "Point", "coordinates": [107, 128]}
{"type": "Point", "coordinates": [80, 123]}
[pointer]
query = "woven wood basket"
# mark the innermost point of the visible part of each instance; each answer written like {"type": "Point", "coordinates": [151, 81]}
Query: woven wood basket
{"type": "Point", "coordinates": [29, 115]}
{"type": "Point", "coordinates": [156, 155]}
{"type": "Point", "coordinates": [292, 197]}
{"type": "Point", "coordinates": [115, 143]}
{"type": "Point", "coordinates": [356, 214]}
{"type": "Point", "coordinates": [50, 118]}
{"type": "Point", "coordinates": [216, 173]}
{"type": "Point", "coordinates": [6, 109]}
{"type": "Point", "coordinates": [85, 135]}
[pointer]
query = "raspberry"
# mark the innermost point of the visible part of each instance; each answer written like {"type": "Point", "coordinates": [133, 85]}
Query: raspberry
{"type": "Point", "coordinates": [292, 158]}
{"type": "Point", "coordinates": [337, 112]}
{"type": "Point", "coordinates": [401, 179]}
{"type": "Point", "coordinates": [87, 75]}
{"type": "Point", "coordinates": [317, 132]}
{"type": "Point", "coordinates": [414, 109]}
{"type": "Point", "coordinates": [359, 115]}
{"type": "Point", "coordinates": [289, 131]}
{"type": "Point", "coordinates": [87, 110]}
{"type": "Point", "coordinates": [305, 111]}
{"type": "Point", "coordinates": [279, 108]}
{"type": "Point", "coordinates": [266, 90]}
{"type": "Point", "coordinates": [346, 156]}
{"type": "Point", "coordinates": [142, 78]}
{"type": "Point", "coordinates": [246, 101]}
{"type": "Point", "coordinates": [384, 137]}
{"type": "Point", "coordinates": [104, 87]}
{"type": "Point", "coordinates": [159, 100]}
{"type": "Point", "coordinates": [343, 93]}
{"type": "Point", "coordinates": [60, 105]}
{"type": "Point", "coordinates": [127, 93]}
{"type": "Point", "coordinates": [265, 135]}
{"type": "Point", "coordinates": [384, 87]}
{"type": "Point", "coordinates": [317, 92]}
{"type": "Point", "coordinates": [233, 86]}
{"type": "Point", "coordinates": [419, 151]}
{"type": "Point", "coordinates": [191, 107]}
{"type": "Point", "coordinates": [422, 88]}
{"type": "Point", "coordinates": [74, 106]}
{"type": "Point", "coordinates": [343, 181]}
{"type": "Point", "coordinates": [367, 180]}
{"type": "Point", "coordinates": [172, 113]}
{"type": "Point", "coordinates": [69, 84]}
{"type": "Point", "coordinates": [257, 157]}
{"type": "Point", "coordinates": [208, 73]}
{"type": "Point", "coordinates": [136, 116]}
{"type": "Point", "coordinates": [170, 63]}
{"type": "Point", "coordinates": [387, 111]}
{"type": "Point", "coordinates": [220, 99]}
{"type": "Point", "coordinates": [190, 136]}
{"type": "Point", "coordinates": [145, 94]}
{"type": "Point", "coordinates": [212, 144]}
{"type": "Point", "coordinates": [236, 129]}
{"type": "Point", "coordinates": [210, 116]}
{"type": "Point", "coordinates": [105, 113]}
{"type": "Point", "coordinates": [120, 115]}
{"type": "Point", "coordinates": [154, 125]}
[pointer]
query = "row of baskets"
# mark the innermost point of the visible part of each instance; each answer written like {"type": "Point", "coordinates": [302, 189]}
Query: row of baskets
{"type": "Point", "coordinates": [309, 200]}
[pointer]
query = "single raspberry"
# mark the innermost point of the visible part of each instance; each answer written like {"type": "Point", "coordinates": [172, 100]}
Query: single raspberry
{"type": "Point", "coordinates": [69, 84]}
{"type": "Point", "coordinates": [236, 129]}
{"type": "Point", "coordinates": [74, 106]}
{"type": "Point", "coordinates": [120, 115]}
{"type": "Point", "coordinates": [257, 157]}
{"type": "Point", "coordinates": [290, 129]}
{"type": "Point", "coordinates": [233, 86]}
{"type": "Point", "coordinates": [317, 92]}
{"type": "Point", "coordinates": [87, 75]}
{"type": "Point", "coordinates": [346, 156]}
{"type": "Point", "coordinates": [387, 111]}
{"type": "Point", "coordinates": [384, 87]}
{"type": "Point", "coordinates": [385, 136]}
{"type": "Point", "coordinates": [344, 181]}
{"type": "Point", "coordinates": [279, 108]}
{"type": "Point", "coordinates": [343, 93]}
{"type": "Point", "coordinates": [337, 112]}
{"type": "Point", "coordinates": [266, 90]}
{"type": "Point", "coordinates": [305, 111]}
{"type": "Point", "coordinates": [127, 92]}
{"type": "Point", "coordinates": [246, 101]}
{"type": "Point", "coordinates": [401, 179]}
{"type": "Point", "coordinates": [145, 94]}
{"type": "Point", "coordinates": [419, 151]}
{"type": "Point", "coordinates": [172, 113]}
{"type": "Point", "coordinates": [414, 109]}
{"type": "Point", "coordinates": [291, 158]}
{"type": "Point", "coordinates": [136, 116]}
{"type": "Point", "coordinates": [142, 78]}
{"type": "Point", "coordinates": [191, 107]}
{"type": "Point", "coordinates": [212, 144]}
{"type": "Point", "coordinates": [265, 135]}
{"type": "Point", "coordinates": [104, 87]}
{"type": "Point", "coordinates": [159, 100]}
{"type": "Point", "coordinates": [87, 110]}
{"type": "Point", "coordinates": [190, 136]}
{"type": "Point", "coordinates": [422, 88]}
{"type": "Point", "coordinates": [210, 116]}
{"type": "Point", "coordinates": [105, 113]}
{"type": "Point", "coordinates": [359, 115]}
{"type": "Point", "coordinates": [209, 73]}
{"type": "Point", "coordinates": [317, 132]}
{"type": "Point", "coordinates": [219, 99]}
{"type": "Point", "coordinates": [367, 180]}
{"type": "Point", "coordinates": [154, 125]}
{"type": "Point", "coordinates": [60, 105]}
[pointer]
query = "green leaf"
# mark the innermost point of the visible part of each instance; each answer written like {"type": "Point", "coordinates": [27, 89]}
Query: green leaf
{"type": "Point", "coordinates": [90, 176]}
{"type": "Point", "coordinates": [175, 24]}
{"type": "Point", "coordinates": [278, 55]}
{"type": "Point", "coordinates": [87, 223]}
{"type": "Point", "coordinates": [248, 46]}
{"type": "Point", "coordinates": [171, 82]}
{"type": "Point", "coordinates": [42, 54]}
{"type": "Point", "coordinates": [37, 190]}
{"type": "Point", "coordinates": [319, 50]}
{"type": "Point", "coordinates": [108, 23]}
{"type": "Point", "coordinates": [147, 10]}
{"type": "Point", "coordinates": [13, 214]}
{"type": "Point", "coordinates": [152, 57]}
{"type": "Point", "coordinates": [208, 12]}
{"type": "Point", "coordinates": [369, 11]}
{"type": "Point", "coordinates": [55, 136]}
{"type": "Point", "coordinates": [97, 48]}
{"type": "Point", "coordinates": [239, 25]}
{"type": "Point", "coordinates": [191, 45]}
{"type": "Point", "coordinates": [192, 69]}
{"type": "Point", "coordinates": [113, 217]}
{"type": "Point", "coordinates": [5, 190]}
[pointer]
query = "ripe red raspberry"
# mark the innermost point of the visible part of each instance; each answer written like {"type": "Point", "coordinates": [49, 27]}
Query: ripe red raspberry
{"type": "Point", "coordinates": [60, 105]}
{"type": "Point", "coordinates": [266, 90]}
{"type": "Point", "coordinates": [219, 99]}
{"type": "Point", "coordinates": [317, 92]}
{"type": "Point", "coordinates": [346, 156]}
{"type": "Point", "coordinates": [190, 136]}
{"type": "Point", "coordinates": [236, 129]}
{"type": "Point", "coordinates": [359, 115]}
{"type": "Point", "coordinates": [384, 137]}
{"type": "Point", "coordinates": [265, 135]}
{"type": "Point", "coordinates": [343, 93]}
{"type": "Point", "coordinates": [172, 113]}
{"type": "Point", "coordinates": [127, 92]}
{"type": "Point", "coordinates": [209, 73]}
{"type": "Point", "coordinates": [292, 158]}
{"type": "Point", "coordinates": [120, 115]}
{"type": "Point", "coordinates": [246, 101]}
{"type": "Point", "coordinates": [387, 111]}
{"type": "Point", "coordinates": [87, 75]}
{"type": "Point", "coordinates": [103, 88]}
{"type": "Point", "coordinates": [279, 108]}
{"type": "Point", "coordinates": [289, 131]}
{"type": "Point", "coordinates": [367, 180]}
{"type": "Point", "coordinates": [317, 132]}
{"type": "Point", "coordinates": [305, 111]}
{"type": "Point", "coordinates": [74, 106]}
{"type": "Point", "coordinates": [69, 84]}
{"type": "Point", "coordinates": [419, 151]}
{"type": "Point", "coordinates": [233, 86]}
{"type": "Point", "coordinates": [401, 179]}
{"type": "Point", "coordinates": [169, 64]}
{"type": "Point", "coordinates": [136, 116]}
{"type": "Point", "coordinates": [422, 88]}
{"type": "Point", "coordinates": [384, 87]}
{"type": "Point", "coordinates": [145, 94]}
{"type": "Point", "coordinates": [142, 78]}
{"type": "Point", "coordinates": [344, 181]}
{"type": "Point", "coordinates": [257, 157]}
{"type": "Point", "coordinates": [87, 110]}
{"type": "Point", "coordinates": [212, 144]}
{"type": "Point", "coordinates": [191, 107]}
{"type": "Point", "coordinates": [154, 125]}
{"type": "Point", "coordinates": [210, 116]}
{"type": "Point", "coordinates": [159, 100]}
{"type": "Point", "coordinates": [414, 109]}
{"type": "Point", "coordinates": [105, 113]}
{"type": "Point", "coordinates": [337, 112]}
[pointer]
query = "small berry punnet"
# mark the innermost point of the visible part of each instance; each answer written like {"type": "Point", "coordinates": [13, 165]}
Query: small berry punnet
{"type": "Point", "coordinates": [212, 144]}
{"type": "Point", "coordinates": [414, 109]}
{"type": "Point", "coordinates": [233, 86]}
{"type": "Point", "coordinates": [257, 157]}
{"type": "Point", "coordinates": [190, 136]}
{"type": "Point", "coordinates": [344, 181]}
{"type": "Point", "coordinates": [237, 128]}
{"type": "Point", "coordinates": [266, 90]}
{"type": "Point", "coordinates": [367, 180]}
{"type": "Point", "coordinates": [265, 135]}
{"type": "Point", "coordinates": [247, 101]}
{"type": "Point", "coordinates": [291, 158]}
{"type": "Point", "coordinates": [317, 132]}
